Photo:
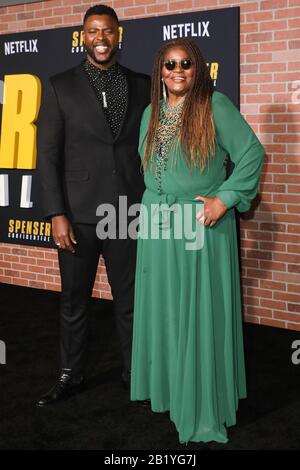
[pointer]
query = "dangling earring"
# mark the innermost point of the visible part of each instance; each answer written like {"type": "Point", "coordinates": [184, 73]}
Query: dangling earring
{"type": "Point", "coordinates": [164, 90]}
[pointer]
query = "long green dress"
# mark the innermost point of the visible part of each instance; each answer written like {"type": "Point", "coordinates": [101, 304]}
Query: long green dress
{"type": "Point", "coordinates": [187, 344]}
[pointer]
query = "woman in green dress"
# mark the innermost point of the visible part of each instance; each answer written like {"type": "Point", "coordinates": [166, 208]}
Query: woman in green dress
{"type": "Point", "coordinates": [187, 344]}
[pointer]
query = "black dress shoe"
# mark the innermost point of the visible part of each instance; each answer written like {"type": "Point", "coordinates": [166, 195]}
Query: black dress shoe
{"type": "Point", "coordinates": [65, 387]}
{"type": "Point", "coordinates": [145, 404]}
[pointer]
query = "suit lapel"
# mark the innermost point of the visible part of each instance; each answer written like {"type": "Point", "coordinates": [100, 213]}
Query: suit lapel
{"type": "Point", "coordinates": [90, 102]}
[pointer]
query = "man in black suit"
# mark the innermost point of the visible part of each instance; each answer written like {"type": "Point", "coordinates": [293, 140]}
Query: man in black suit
{"type": "Point", "coordinates": [88, 133]}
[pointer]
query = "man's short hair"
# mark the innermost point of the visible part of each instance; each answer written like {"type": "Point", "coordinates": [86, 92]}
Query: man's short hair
{"type": "Point", "coordinates": [100, 10]}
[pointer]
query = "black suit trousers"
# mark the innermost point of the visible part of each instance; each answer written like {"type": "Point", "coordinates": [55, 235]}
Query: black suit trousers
{"type": "Point", "coordinates": [78, 272]}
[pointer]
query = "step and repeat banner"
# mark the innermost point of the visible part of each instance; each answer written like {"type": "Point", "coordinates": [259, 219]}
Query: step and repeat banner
{"type": "Point", "coordinates": [27, 59]}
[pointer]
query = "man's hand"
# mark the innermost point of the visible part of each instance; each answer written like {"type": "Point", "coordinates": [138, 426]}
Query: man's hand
{"type": "Point", "coordinates": [63, 234]}
{"type": "Point", "coordinates": [214, 209]}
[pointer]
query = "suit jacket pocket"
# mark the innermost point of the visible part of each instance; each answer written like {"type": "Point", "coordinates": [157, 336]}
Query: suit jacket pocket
{"type": "Point", "coordinates": [77, 175]}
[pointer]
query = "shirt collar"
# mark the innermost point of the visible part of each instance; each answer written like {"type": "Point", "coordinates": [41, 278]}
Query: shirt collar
{"type": "Point", "coordinates": [115, 69]}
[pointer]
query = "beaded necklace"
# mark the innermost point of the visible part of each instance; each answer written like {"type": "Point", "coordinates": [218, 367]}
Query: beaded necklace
{"type": "Point", "coordinates": [169, 123]}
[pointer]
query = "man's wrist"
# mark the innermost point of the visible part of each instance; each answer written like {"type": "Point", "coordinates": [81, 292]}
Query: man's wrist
{"type": "Point", "coordinates": [56, 215]}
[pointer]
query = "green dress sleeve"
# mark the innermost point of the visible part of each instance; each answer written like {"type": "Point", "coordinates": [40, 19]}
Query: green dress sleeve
{"type": "Point", "coordinates": [237, 138]}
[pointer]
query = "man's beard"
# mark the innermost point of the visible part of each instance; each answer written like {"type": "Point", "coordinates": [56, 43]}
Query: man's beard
{"type": "Point", "coordinates": [91, 53]}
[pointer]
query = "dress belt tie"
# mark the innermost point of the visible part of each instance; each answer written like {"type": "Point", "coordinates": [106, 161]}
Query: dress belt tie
{"type": "Point", "coordinates": [161, 214]}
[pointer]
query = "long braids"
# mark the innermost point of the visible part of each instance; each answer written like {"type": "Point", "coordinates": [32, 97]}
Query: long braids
{"type": "Point", "coordinates": [197, 132]}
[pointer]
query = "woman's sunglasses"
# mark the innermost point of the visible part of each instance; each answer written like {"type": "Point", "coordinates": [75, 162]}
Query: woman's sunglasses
{"type": "Point", "coordinates": [185, 64]}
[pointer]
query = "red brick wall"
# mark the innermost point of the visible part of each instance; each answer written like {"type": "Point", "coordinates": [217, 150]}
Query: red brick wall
{"type": "Point", "coordinates": [270, 63]}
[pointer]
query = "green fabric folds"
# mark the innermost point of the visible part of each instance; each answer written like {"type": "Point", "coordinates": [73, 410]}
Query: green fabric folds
{"type": "Point", "coordinates": [187, 343]}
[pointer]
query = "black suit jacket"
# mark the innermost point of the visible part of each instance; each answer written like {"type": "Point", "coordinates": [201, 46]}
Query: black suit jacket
{"type": "Point", "coordinates": [81, 164]}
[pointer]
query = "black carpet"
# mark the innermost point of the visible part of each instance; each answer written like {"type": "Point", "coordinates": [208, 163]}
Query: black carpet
{"type": "Point", "coordinates": [102, 417]}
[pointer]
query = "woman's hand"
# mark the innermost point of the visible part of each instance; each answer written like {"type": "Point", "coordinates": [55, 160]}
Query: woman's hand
{"type": "Point", "coordinates": [214, 209]}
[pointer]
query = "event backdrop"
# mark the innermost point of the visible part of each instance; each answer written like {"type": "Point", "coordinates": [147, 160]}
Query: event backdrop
{"type": "Point", "coordinates": [27, 59]}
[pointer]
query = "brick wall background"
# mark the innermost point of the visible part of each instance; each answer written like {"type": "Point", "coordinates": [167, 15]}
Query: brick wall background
{"type": "Point", "coordinates": [270, 64]}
